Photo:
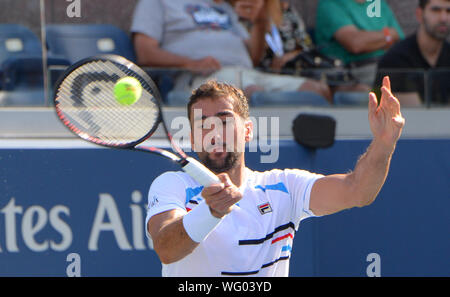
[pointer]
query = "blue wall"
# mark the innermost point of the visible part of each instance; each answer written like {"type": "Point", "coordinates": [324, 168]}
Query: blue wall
{"type": "Point", "coordinates": [53, 202]}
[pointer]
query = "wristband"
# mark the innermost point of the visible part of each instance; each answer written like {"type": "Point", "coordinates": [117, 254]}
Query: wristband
{"type": "Point", "coordinates": [199, 222]}
{"type": "Point", "coordinates": [387, 35]}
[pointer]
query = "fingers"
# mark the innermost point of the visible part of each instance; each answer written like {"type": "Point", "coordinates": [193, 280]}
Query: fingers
{"type": "Point", "coordinates": [248, 9]}
{"type": "Point", "coordinates": [373, 103]}
{"type": "Point", "coordinates": [399, 121]}
{"type": "Point", "coordinates": [389, 102]}
{"type": "Point", "coordinates": [225, 179]}
{"type": "Point", "coordinates": [387, 83]}
{"type": "Point", "coordinates": [387, 98]}
{"type": "Point", "coordinates": [205, 66]}
{"type": "Point", "coordinates": [221, 197]}
{"type": "Point", "coordinates": [213, 62]}
{"type": "Point", "coordinates": [212, 190]}
{"type": "Point", "coordinates": [385, 92]}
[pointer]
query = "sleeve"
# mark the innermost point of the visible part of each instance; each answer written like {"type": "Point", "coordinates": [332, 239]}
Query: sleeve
{"type": "Point", "coordinates": [300, 183]}
{"type": "Point", "coordinates": [167, 192]}
{"type": "Point", "coordinates": [148, 19]}
{"type": "Point", "coordinates": [331, 16]}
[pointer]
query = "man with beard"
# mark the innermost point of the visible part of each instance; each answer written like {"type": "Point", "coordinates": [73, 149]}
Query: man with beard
{"type": "Point", "coordinates": [245, 225]}
{"type": "Point", "coordinates": [422, 59]}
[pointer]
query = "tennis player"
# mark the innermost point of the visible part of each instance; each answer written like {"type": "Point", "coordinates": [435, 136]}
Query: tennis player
{"type": "Point", "coordinates": [245, 225]}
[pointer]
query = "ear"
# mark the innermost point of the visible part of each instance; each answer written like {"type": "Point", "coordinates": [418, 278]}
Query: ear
{"type": "Point", "coordinates": [248, 126]}
{"type": "Point", "coordinates": [419, 15]}
{"type": "Point", "coordinates": [191, 138]}
{"type": "Point", "coordinates": [196, 147]}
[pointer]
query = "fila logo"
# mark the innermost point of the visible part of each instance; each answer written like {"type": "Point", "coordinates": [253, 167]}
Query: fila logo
{"type": "Point", "coordinates": [265, 208]}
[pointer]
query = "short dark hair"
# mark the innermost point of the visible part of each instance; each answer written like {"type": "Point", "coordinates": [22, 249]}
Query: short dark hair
{"type": "Point", "coordinates": [423, 3]}
{"type": "Point", "coordinates": [215, 90]}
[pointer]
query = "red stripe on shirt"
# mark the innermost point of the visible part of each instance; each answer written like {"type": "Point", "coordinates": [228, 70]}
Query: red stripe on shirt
{"type": "Point", "coordinates": [282, 237]}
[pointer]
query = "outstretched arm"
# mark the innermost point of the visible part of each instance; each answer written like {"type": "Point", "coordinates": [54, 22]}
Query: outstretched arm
{"type": "Point", "coordinates": [360, 187]}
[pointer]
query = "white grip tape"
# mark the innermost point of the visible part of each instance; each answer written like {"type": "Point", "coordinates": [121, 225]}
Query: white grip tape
{"type": "Point", "coordinates": [200, 173]}
{"type": "Point", "coordinates": [199, 222]}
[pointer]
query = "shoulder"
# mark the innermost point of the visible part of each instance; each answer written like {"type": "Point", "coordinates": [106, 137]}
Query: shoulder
{"type": "Point", "coordinates": [173, 179]}
{"type": "Point", "coordinates": [148, 5]}
{"type": "Point", "coordinates": [326, 3]}
{"type": "Point", "coordinates": [287, 176]}
{"type": "Point", "coordinates": [327, 7]}
{"type": "Point", "coordinates": [400, 52]}
{"type": "Point", "coordinates": [446, 50]}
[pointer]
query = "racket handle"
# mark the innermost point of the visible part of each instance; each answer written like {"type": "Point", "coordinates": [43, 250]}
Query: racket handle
{"type": "Point", "coordinates": [200, 173]}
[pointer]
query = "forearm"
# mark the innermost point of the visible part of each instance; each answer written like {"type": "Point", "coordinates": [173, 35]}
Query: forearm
{"type": "Point", "coordinates": [171, 242]}
{"type": "Point", "coordinates": [360, 187]}
{"type": "Point", "coordinates": [157, 57]}
{"type": "Point", "coordinates": [369, 41]}
{"type": "Point", "coordinates": [361, 42]}
{"type": "Point", "coordinates": [370, 173]}
{"type": "Point", "coordinates": [256, 44]}
{"type": "Point", "coordinates": [178, 233]}
{"type": "Point", "coordinates": [150, 54]}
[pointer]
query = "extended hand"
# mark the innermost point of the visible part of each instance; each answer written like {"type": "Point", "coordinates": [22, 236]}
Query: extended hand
{"type": "Point", "coordinates": [221, 197]}
{"type": "Point", "coordinates": [386, 120]}
{"type": "Point", "coordinates": [204, 66]}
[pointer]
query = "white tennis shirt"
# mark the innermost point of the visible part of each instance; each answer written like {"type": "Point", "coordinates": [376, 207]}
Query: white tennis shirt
{"type": "Point", "coordinates": [256, 238]}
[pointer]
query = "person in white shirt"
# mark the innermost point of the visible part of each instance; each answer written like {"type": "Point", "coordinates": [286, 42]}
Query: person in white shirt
{"type": "Point", "coordinates": [205, 39]}
{"type": "Point", "coordinates": [245, 225]}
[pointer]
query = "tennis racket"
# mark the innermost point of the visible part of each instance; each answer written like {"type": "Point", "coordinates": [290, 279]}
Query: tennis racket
{"type": "Point", "coordinates": [85, 103]}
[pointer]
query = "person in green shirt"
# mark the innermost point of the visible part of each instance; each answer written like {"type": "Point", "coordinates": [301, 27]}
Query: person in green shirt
{"type": "Point", "coordinates": [358, 32]}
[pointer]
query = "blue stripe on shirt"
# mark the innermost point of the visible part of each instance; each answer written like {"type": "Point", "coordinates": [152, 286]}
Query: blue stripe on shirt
{"type": "Point", "coordinates": [192, 192]}
{"type": "Point", "coordinates": [277, 187]}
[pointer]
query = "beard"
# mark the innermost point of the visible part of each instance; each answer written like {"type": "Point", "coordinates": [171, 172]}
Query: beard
{"type": "Point", "coordinates": [434, 32]}
{"type": "Point", "coordinates": [223, 165]}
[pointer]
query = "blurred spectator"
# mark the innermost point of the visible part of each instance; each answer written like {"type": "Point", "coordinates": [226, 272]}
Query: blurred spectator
{"type": "Point", "coordinates": [296, 40]}
{"type": "Point", "coordinates": [206, 38]}
{"type": "Point", "coordinates": [293, 33]}
{"type": "Point", "coordinates": [347, 29]}
{"type": "Point", "coordinates": [428, 51]}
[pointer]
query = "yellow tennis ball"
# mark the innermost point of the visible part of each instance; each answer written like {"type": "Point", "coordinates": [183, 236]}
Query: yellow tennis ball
{"type": "Point", "coordinates": [127, 90]}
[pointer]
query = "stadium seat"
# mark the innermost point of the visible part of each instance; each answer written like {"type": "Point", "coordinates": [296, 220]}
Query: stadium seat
{"type": "Point", "coordinates": [77, 41]}
{"type": "Point", "coordinates": [177, 98]}
{"type": "Point", "coordinates": [356, 99]}
{"type": "Point", "coordinates": [18, 41]}
{"type": "Point", "coordinates": [21, 74]}
{"type": "Point", "coordinates": [287, 98]}
{"type": "Point", "coordinates": [165, 80]}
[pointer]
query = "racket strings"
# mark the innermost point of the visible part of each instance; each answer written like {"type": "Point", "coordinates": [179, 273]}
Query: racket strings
{"type": "Point", "coordinates": [102, 122]}
{"type": "Point", "coordinates": [134, 122]}
{"type": "Point", "coordinates": [86, 99]}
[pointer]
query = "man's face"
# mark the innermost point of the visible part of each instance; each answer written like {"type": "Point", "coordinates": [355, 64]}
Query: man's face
{"type": "Point", "coordinates": [436, 18]}
{"type": "Point", "coordinates": [218, 133]}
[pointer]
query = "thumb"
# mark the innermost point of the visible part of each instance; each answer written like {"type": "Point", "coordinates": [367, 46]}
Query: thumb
{"type": "Point", "coordinates": [225, 179]}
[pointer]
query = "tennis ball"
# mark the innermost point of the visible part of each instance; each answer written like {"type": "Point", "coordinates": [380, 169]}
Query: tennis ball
{"type": "Point", "coordinates": [127, 90]}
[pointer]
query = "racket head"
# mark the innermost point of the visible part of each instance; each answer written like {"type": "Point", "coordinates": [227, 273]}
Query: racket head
{"type": "Point", "coordinates": [84, 101]}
